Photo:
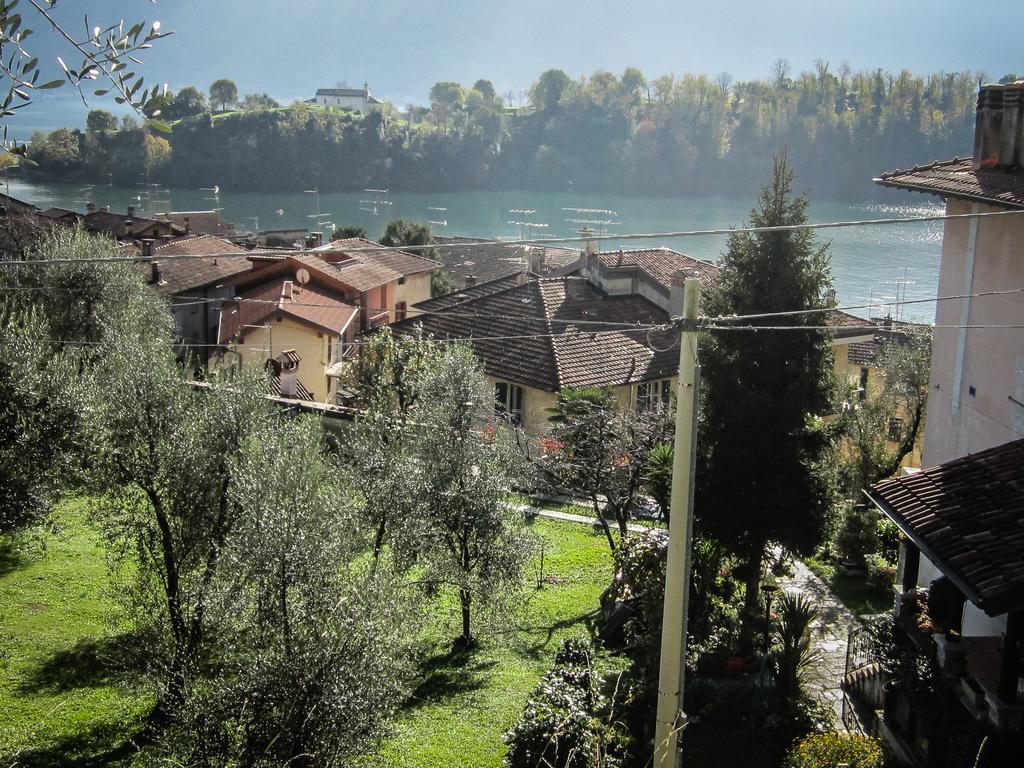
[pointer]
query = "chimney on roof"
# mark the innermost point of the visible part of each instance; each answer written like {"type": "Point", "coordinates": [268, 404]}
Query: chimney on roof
{"type": "Point", "coordinates": [155, 276]}
{"type": "Point", "coordinates": [676, 293]}
{"type": "Point", "coordinates": [148, 249]}
{"type": "Point", "coordinates": [105, 209]}
{"type": "Point", "coordinates": [589, 243]}
{"type": "Point", "coordinates": [535, 259]}
{"type": "Point", "coordinates": [188, 229]}
{"type": "Point", "coordinates": [90, 207]}
{"type": "Point", "coordinates": [988, 122]}
{"type": "Point", "coordinates": [131, 211]}
{"type": "Point", "coordinates": [1011, 134]}
{"type": "Point", "coordinates": [470, 281]}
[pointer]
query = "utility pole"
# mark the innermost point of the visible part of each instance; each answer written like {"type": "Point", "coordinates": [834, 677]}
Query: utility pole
{"type": "Point", "coordinates": [670, 717]}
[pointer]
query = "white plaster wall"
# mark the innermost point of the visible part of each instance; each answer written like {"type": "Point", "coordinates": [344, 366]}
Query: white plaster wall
{"type": "Point", "coordinates": [960, 423]}
{"type": "Point", "coordinates": [979, 624]}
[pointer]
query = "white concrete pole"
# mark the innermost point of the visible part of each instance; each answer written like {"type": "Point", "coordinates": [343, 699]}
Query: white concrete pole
{"type": "Point", "coordinates": [677, 571]}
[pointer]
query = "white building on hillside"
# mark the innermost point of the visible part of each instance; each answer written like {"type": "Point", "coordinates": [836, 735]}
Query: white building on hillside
{"type": "Point", "coordinates": [356, 99]}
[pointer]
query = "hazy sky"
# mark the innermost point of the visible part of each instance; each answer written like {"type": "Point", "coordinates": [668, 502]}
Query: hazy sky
{"type": "Point", "coordinates": [289, 48]}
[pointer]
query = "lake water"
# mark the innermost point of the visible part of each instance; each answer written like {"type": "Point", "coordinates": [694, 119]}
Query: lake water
{"type": "Point", "coordinates": [869, 264]}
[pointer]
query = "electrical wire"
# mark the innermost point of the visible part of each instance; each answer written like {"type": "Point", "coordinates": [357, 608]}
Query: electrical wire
{"type": "Point", "coordinates": [285, 253]}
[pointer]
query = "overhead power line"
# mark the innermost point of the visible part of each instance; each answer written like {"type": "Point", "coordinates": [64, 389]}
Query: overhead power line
{"type": "Point", "coordinates": [282, 254]}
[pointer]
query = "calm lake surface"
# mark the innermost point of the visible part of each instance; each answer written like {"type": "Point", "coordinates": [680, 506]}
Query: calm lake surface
{"type": "Point", "coordinates": [869, 264]}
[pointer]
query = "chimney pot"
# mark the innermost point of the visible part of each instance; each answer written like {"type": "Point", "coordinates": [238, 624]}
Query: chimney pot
{"type": "Point", "coordinates": [131, 211]}
{"type": "Point", "coordinates": [470, 281]}
{"type": "Point", "coordinates": [988, 123]}
{"type": "Point", "coordinates": [155, 275]}
{"type": "Point", "coordinates": [1011, 134]}
{"type": "Point", "coordinates": [676, 294]}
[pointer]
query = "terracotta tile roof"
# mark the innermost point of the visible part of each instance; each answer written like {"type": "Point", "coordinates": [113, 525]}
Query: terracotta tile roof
{"type": "Point", "coordinates": [183, 275]}
{"type": "Point", "coordinates": [540, 345]}
{"type": "Point", "coordinates": [462, 257]}
{"type": "Point", "coordinates": [313, 305]}
{"type": "Point", "coordinates": [888, 330]}
{"type": "Point", "coordinates": [660, 264]}
{"type": "Point", "coordinates": [400, 261]}
{"type": "Point", "coordinates": [355, 273]}
{"type": "Point", "coordinates": [957, 178]}
{"type": "Point", "coordinates": [967, 516]}
{"type": "Point", "coordinates": [474, 292]}
{"type": "Point", "coordinates": [198, 222]}
{"type": "Point", "coordinates": [121, 225]}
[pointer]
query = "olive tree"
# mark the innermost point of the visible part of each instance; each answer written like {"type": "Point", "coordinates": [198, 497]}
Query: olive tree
{"type": "Point", "coordinates": [602, 451]}
{"type": "Point", "coordinates": [465, 469]}
{"type": "Point", "coordinates": [312, 640]}
{"type": "Point", "coordinates": [385, 382]}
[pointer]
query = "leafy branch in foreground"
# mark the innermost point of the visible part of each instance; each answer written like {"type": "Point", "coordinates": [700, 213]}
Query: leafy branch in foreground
{"type": "Point", "coordinates": [106, 55]}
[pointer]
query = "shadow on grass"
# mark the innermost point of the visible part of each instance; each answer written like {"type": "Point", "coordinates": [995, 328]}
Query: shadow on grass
{"type": "Point", "coordinates": [539, 648]}
{"type": "Point", "coordinates": [11, 556]}
{"type": "Point", "coordinates": [106, 744]}
{"type": "Point", "coordinates": [91, 663]}
{"type": "Point", "coordinates": [450, 674]}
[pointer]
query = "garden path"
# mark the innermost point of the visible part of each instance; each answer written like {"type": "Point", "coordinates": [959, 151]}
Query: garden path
{"type": "Point", "coordinates": [829, 637]}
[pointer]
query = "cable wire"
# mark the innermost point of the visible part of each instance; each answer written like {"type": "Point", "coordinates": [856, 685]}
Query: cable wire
{"type": "Point", "coordinates": [285, 253]}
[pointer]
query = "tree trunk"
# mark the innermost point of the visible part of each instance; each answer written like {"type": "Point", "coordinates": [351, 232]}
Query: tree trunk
{"type": "Point", "coordinates": [751, 603]}
{"type": "Point", "coordinates": [465, 599]}
{"type": "Point", "coordinates": [604, 523]}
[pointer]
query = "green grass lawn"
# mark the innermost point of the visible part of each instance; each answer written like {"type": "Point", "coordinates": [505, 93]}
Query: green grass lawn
{"type": "Point", "coordinates": [62, 698]}
{"type": "Point", "coordinates": [853, 589]}
{"type": "Point", "coordinates": [465, 703]}
{"type": "Point", "coordinates": [64, 701]}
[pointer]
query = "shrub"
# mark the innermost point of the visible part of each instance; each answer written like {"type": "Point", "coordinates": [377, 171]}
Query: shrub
{"type": "Point", "coordinates": [794, 652]}
{"type": "Point", "coordinates": [559, 727]}
{"type": "Point", "coordinates": [827, 750]}
{"type": "Point", "coordinates": [881, 572]}
{"type": "Point", "coordinates": [858, 534]}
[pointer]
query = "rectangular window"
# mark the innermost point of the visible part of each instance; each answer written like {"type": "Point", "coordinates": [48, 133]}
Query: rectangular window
{"type": "Point", "coordinates": [401, 310]}
{"type": "Point", "coordinates": [862, 392]}
{"type": "Point", "coordinates": [653, 395]}
{"type": "Point", "coordinates": [508, 401]}
{"type": "Point", "coordinates": [401, 280]}
{"type": "Point", "coordinates": [330, 350]}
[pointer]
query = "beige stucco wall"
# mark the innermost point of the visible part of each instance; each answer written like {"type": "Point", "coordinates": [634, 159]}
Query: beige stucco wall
{"type": "Point", "coordinates": [261, 344]}
{"type": "Point", "coordinates": [416, 288]}
{"type": "Point", "coordinates": [849, 373]}
{"type": "Point", "coordinates": [537, 401]}
{"type": "Point", "coordinates": [960, 423]}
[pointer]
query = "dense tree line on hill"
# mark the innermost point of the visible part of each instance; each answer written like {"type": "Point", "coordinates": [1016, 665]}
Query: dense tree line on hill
{"type": "Point", "coordinates": [669, 135]}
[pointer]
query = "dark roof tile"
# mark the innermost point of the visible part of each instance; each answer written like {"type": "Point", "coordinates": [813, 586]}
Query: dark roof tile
{"type": "Point", "coordinates": [968, 517]}
{"type": "Point", "coordinates": [958, 178]}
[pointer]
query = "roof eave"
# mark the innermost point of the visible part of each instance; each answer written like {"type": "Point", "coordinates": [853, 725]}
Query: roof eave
{"type": "Point", "coordinates": [907, 530]}
{"type": "Point", "coordinates": [947, 194]}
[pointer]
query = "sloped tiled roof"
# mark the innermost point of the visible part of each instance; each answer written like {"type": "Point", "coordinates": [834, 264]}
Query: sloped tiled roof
{"type": "Point", "coordinates": [400, 261]}
{"type": "Point", "coordinates": [957, 178]}
{"type": "Point", "coordinates": [355, 273]}
{"type": "Point", "coordinates": [660, 264]}
{"type": "Point", "coordinates": [121, 225]}
{"type": "Point", "coordinates": [198, 222]}
{"type": "Point", "coordinates": [967, 516]}
{"type": "Point", "coordinates": [183, 275]}
{"type": "Point", "coordinates": [312, 304]}
{"type": "Point", "coordinates": [473, 292]}
{"type": "Point", "coordinates": [527, 334]}
{"type": "Point", "coordinates": [465, 256]}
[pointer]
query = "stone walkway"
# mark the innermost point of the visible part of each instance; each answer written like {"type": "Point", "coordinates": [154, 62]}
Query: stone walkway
{"type": "Point", "coordinates": [829, 636]}
{"type": "Point", "coordinates": [569, 517]}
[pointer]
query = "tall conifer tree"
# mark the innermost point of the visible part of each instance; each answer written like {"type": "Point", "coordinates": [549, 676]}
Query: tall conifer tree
{"type": "Point", "coordinates": [759, 480]}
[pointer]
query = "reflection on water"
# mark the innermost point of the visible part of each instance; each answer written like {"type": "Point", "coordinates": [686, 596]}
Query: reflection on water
{"type": "Point", "coordinates": [870, 264]}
